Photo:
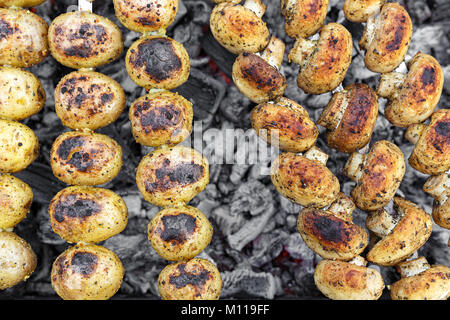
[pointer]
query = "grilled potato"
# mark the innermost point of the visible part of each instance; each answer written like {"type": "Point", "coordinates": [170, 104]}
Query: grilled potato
{"type": "Point", "coordinates": [158, 62]}
{"type": "Point", "coordinates": [21, 94]}
{"type": "Point", "coordinates": [19, 146]}
{"type": "Point", "coordinates": [21, 3]}
{"type": "Point", "coordinates": [85, 158]}
{"type": "Point", "coordinates": [15, 200]}
{"type": "Point", "coordinates": [24, 38]}
{"type": "Point", "coordinates": [17, 260]}
{"type": "Point", "coordinates": [88, 100]}
{"type": "Point", "coordinates": [161, 118]}
{"type": "Point", "coordinates": [196, 279]}
{"type": "Point", "coordinates": [169, 176]}
{"type": "Point", "coordinates": [87, 214]}
{"type": "Point", "coordinates": [84, 40]}
{"type": "Point", "coordinates": [87, 272]}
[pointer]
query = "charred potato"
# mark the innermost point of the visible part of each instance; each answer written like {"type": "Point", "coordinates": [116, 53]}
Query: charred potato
{"type": "Point", "coordinates": [179, 233]}
{"type": "Point", "coordinates": [87, 272]}
{"type": "Point", "coordinates": [19, 146]}
{"type": "Point", "coordinates": [161, 118]}
{"type": "Point", "coordinates": [88, 100]}
{"type": "Point", "coordinates": [24, 38]}
{"type": "Point", "coordinates": [84, 40]}
{"type": "Point", "coordinates": [21, 94]}
{"type": "Point", "coordinates": [20, 3]}
{"type": "Point", "coordinates": [303, 18]}
{"type": "Point", "coordinates": [85, 158]}
{"type": "Point", "coordinates": [87, 214]}
{"type": "Point", "coordinates": [196, 279]}
{"type": "Point", "coordinates": [17, 260]}
{"type": "Point", "coordinates": [169, 176]}
{"type": "Point", "coordinates": [15, 200]}
{"type": "Point", "coordinates": [361, 10]}
{"type": "Point", "coordinates": [158, 62]}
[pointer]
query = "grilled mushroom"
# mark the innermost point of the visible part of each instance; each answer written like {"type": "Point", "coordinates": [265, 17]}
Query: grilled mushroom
{"type": "Point", "coordinates": [361, 10]}
{"type": "Point", "coordinates": [20, 3]}
{"type": "Point", "coordinates": [439, 187]}
{"type": "Point", "coordinates": [15, 200]}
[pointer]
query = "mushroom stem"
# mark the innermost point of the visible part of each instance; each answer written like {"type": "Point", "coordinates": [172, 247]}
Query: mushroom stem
{"type": "Point", "coordinates": [256, 6]}
{"type": "Point", "coordinates": [413, 267]}
{"type": "Point", "coordinates": [315, 154]}
{"type": "Point", "coordinates": [438, 187]}
{"type": "Point", "coordinates": [358, 261]}
{"type": "Point", "coordinates": [274, 52]}
{"type": "Point", "coordinates": [390, 83]}
{"type": "Point", "coordinates": [414, 132]}
{"type": "Point", "coordinates": [353, 166]}
{"type": "Point", "coordinates": [383, 221]}
{"type": "Point", "coordinates": [343, 208]}
{"type": "Point", "coordinates": [334, 111]}
{"type": "Point", "coordinates": [302, 49]}
{"type": "Point", "coordinates": [85, 5]}
{"type": "Point", "coordinates": [369, 33]}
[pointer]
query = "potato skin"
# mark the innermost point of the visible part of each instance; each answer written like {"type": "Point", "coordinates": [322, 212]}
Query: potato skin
{"type": "Point", "coordinates": [20, 3]}
{"type": "Point", "coordinates": [304, 181]}
{"type": "Point", "coordinates": [19, 146]}
{"type": "Point", "coordinates": [409, 235]}
{"type": "Point", "coordinates": [171, 176]}
{"type": "Point", "coordinates": [84, 40]}
{"type": "Point", "coordinates": [303, 18]}
{"type": "Point", "coordinates": [340, 280]}
{"type": "Point", "coordinates": [87, 214]}
{"type": "Point", "coordinates": [431, 284]}
{"type": "Point", "coordinates": [88, 100]}
{"type": "Point", "coordinates": [24, 38]}
{"type": "Point", "coordinates": [361, 10]}
{"type": "Point", "coordinates": [238, 29]}
{"type": "Point", "coordinates": [161, 118]}
{"type": "Point", "coordinates": [146, 15]}
{"type": "Point", "coordinates": [17, 260]}
{"type": "Point", "coordinates": [196, 279]}
{"type": "Point", "coordinates": [166, 70]}
{"type": "Point", "coordinates": [21, 94]}
{"type": "Point", "coordinates": [87, 272]}
{"type": "Point", "coordinates": [16, 198]}
{"type": "Point", "coordinates": [179, 233]}
{"type": "Point", "coordinates": [85, 158]}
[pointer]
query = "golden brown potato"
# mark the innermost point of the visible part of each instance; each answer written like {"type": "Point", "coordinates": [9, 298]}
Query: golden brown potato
{"type": "Point", "coordinates": [439, 188]}
{"type": "Point", "coordinates": [88, 100]}
{"type": "Point", "coordinates": [413, 96]}
{"type": "Point", "coordinates": [303, 18]}
{"type": "Point", "coordinates": [87, 272]}
{"type": "Point", "coordinates": [179, 233]}
{"type": "Point", "coordinates": [87, 214]}
{"type": "Point", "coordinates": [84, 40]}
{"type": "Point", "coordinates": [15, 200]}
{"type": "Point", "coordinates": [21, 94]}
{"type": "Point", "coordinates": [20, 3]}
{"type": "Point", "coordinates": [146, 15]}
{"type": "Point", "coordinates": [239, 28]}
{"type": "Point", "coordinates": [323, 63]}
{"type": "Point", "coordinates": [158, 62]}
{"type": "Point", "coordinates": [85, 158]}
{"type": "Point", "coordinates": [339, 280]}
{"type": "Point", "coordinates": [19, 146]}
{"type": "Point", "coordinates": [17, 260]}
{"type": "Point", "coordinates": [350, 118]}
{"type": "Point", "coordinates": [169, 176]}
{"type": "Point", "coordinates": [361, 10]}
{"type": "Point", "coordinates": [378, 175]}
{"type": "Point", "coordinates": [409, 234]}
{"type": "Point", "coordinates": [386, 38]}
{"type": "Point", "coordinates": [24, 38]}
{"type": "Point", "coordinates": [285, 122]}
{"type": "Point", "coordinates": [161, 118]}
{"type": "Point", "coordinates": [196, 279]}
{"type": "Point", "coordinates": [305, 181]}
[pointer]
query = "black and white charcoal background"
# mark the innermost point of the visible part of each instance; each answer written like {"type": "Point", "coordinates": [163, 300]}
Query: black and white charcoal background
{"type": "Point", "coordinates": [258, 250]}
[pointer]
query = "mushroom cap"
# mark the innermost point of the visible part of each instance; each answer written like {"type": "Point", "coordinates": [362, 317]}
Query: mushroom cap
{"type": "Point", "coordinates": [431, 154]}
{"type": "Point", "coordinates": [361, 10]}
{"type": "Point", "coordinates": [257, 79]}
{"type": "Point", "coordinates": [286, 120]}
{"type": "Point", "coordinates": [146, 15]}
{"type": "Point", "coordinates": [355, 127]}
{"type": "Point", "coordinates": [303, 18]}
{"type": "Point", "coordinates": [158, 62]}
{"type": "Point", "coordinates": [238, 29]}
{"type": "Point", "coordinates": [431, 284]}
{"type": "Point", "coordinates": [410, 234]}
{"type": "Point", "coordinates": [381, 176]}
{"type": "Point", "coordinates": [20, 3]}
{"type": "Point", "coordinates": [339, 280]}
{"type": "Point", "coordinates": [304, 181]}
{"type": "Point", "coordinates": [419, 94]}
{"type": "Point", "coordinates": [16, 198]}
{"type": "Point", "coordinates": [387, 47]}
{"type": "Point", "coordinates": [329, 236]}
{"type": "Point", "coordinates": [325, 67]}
{"type": "Point", "coordinates": [84, 40]}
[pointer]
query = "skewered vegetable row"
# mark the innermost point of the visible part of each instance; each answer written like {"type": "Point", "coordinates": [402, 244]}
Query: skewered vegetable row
{"type": "Point", "coordinates": [86, 100]}
{"type": "Point", "coordinates": [23, 43]}
{"type": "Point", "coordinates": [171, 175]}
